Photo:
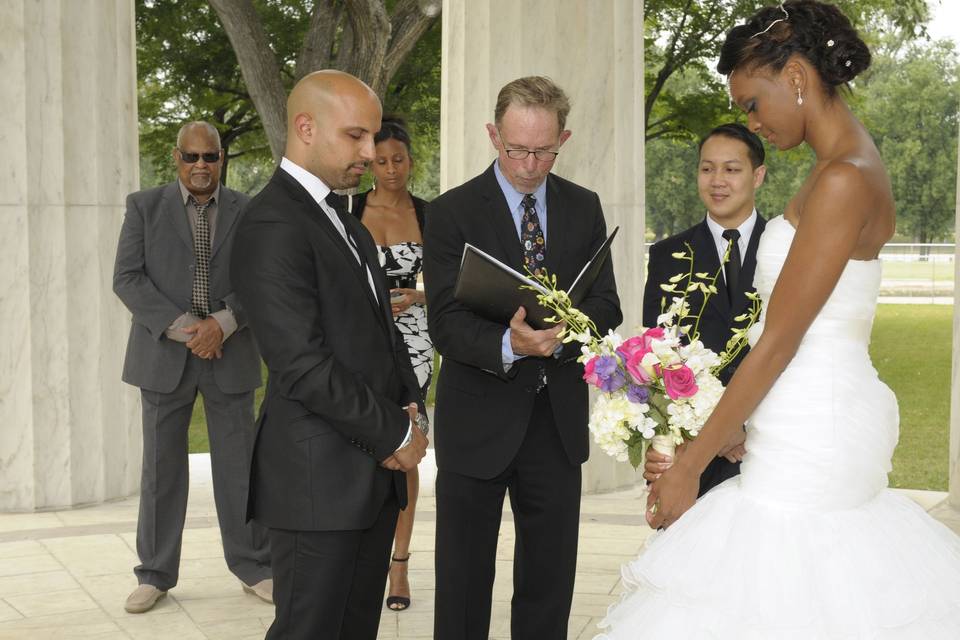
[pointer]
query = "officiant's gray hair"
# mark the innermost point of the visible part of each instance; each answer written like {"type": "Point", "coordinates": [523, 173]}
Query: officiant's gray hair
{"type": "Point", "coordinates": [533, 91]}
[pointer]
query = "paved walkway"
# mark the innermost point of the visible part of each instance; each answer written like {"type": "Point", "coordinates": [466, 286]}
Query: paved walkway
{"type": "Point", "coordinates": [66, 574]}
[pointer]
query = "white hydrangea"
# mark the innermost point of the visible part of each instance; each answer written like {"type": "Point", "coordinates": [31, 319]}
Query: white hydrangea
{"type": "Point", "coordinates": [612, 420]}
{"type": "Point", "coordinates": [690, 414]}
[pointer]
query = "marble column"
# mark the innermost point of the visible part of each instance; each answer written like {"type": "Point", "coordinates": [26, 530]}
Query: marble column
{"type": "Point", "coordinates": [594, 50]}
{"type": "Point", "coordinates": [68, 136]}
{"type": "Point", "coordinates": [954, 499]}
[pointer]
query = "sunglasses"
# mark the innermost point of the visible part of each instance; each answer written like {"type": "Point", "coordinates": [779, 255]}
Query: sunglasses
{"type": "Point", "coordinates": [209, 157]}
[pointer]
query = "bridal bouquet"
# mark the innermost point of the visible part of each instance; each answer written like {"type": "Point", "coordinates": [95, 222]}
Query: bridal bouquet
{"type": "Point", "coordinates": [659, 387]}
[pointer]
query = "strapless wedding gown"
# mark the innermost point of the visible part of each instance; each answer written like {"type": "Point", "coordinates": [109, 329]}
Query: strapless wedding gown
{"type": "Point", "coordinates": [807, 542]}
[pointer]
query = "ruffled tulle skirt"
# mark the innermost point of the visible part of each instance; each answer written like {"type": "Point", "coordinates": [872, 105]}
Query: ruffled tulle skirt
{"type": "Point", "coordinates": [740, 569]}
{"type": "Point", "coordinates": [807, 543]}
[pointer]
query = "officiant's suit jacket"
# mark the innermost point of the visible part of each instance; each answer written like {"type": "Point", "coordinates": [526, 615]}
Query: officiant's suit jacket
{"type": "Point", "coordinates": [338, 368]}
{"type": "Point", "coordinates": [482, 412]}
{"type": "Point", "coordinates": [718, 318]}
{"type": "Point", "coordinates": [154, 279]}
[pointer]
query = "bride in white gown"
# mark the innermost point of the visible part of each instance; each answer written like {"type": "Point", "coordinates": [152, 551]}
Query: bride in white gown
{"type": "Point", "coordinates": [807, 542]}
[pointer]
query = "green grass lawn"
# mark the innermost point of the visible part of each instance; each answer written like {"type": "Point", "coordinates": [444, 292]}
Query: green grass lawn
{"type": "Point", "coordinates": [933, 271]}
{"type": "Point", "coordinates": [911, 349]}
{"type": "Point", "coordinates": [922, 386]}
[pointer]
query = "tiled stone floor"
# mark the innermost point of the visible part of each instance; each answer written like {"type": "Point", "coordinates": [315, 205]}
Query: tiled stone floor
{"type": "Point", "coordinates": [66, 574]}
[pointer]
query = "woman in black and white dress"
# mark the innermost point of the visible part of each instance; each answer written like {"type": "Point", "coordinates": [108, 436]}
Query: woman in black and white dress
{"type": "Point", "coordinates": [395, 219]}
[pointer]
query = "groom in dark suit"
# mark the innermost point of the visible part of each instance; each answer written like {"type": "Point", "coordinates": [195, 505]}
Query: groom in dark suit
{"type": "Point", "coordinates": [730, 171]}
{"type": "Point", "coordinates": [338, 423]}
{"type": "Point", "coordinates": [511, 402]}
{"type": "Point", "coordinates": [189, 335]}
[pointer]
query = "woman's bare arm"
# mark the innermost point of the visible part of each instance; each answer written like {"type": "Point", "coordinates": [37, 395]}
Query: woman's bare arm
{"type": "Point", "coordinates": [837, 208]}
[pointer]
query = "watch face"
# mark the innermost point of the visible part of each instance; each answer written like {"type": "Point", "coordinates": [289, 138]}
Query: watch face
{"type": "Point", "coordinates": [424, 423]}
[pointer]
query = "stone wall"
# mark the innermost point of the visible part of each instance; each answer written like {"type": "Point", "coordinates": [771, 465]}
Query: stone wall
{"type": "Point", "coordinates": [69, 140]}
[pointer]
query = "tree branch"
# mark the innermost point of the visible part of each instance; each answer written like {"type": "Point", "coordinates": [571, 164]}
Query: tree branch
{"type": "Point", "coordinates": [371, 32]}
{"type": "Point", "coordinates": [317, 48]}
{"type": "Point", "coordinates": [259, 66]}
{"type": "Point", "coordinates": [410, 20]}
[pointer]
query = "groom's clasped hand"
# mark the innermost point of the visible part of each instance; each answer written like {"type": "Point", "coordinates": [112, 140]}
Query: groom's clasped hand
{"type": "Point", "coordinates": [409, 456]}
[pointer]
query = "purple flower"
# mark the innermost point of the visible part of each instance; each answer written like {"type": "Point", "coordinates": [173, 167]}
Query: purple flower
{"type": "Point", "coordinates": [638, 394]}
{"type": "Point", "coordinates": [613, 382]}
{"type": "Point", "coordinates": [606, 366]}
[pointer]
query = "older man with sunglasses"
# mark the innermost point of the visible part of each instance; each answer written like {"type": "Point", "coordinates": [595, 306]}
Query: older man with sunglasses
{"type": "Point", "coordinates": [189, 335]}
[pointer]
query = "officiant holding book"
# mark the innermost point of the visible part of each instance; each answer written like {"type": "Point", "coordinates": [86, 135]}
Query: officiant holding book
{"type": "Point", "coordinates": [511, 405]}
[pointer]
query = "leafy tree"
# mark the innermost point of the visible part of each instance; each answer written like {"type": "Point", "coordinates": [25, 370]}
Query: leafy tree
{"type": "Point", "coordinates": [187, 70]}
{"type": "Point", "coordinates": [683, 38]}
{"type": "Point", "coordinates": [363, 37]}
{"type": "Point", "coordinates": [910, 105]}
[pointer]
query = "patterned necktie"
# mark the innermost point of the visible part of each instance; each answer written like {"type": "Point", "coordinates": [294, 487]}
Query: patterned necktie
{"type": "Point", "coordinates": [731, 270]}
{"type": "Point", "coordinates": [534, 253]}
{"type": "Point", "coordinates": [200, 299]}
{"type": "Point", "coordinates": [531, 236]}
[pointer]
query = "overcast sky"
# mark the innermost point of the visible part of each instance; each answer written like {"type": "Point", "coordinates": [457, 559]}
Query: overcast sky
{"type": "Point", "coordinates": [946, 20]}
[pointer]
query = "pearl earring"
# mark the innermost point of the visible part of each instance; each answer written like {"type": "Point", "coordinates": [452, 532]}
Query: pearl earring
{"type": "Point", "coordinates": [799, 98]}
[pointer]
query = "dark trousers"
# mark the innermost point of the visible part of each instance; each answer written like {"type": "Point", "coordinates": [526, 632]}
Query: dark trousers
{"type": "Point", "coordinates": [544, 490]}
{"type": "Point", "coordinates": [328, 585]}
{"type": "Point", "coordinates": [719, 470]}
{"type": "Point", "coordinates": [165, 478]}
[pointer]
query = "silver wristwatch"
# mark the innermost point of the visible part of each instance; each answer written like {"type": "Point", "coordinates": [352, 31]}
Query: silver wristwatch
{"type": "Point", "coordinates": [423, 423]}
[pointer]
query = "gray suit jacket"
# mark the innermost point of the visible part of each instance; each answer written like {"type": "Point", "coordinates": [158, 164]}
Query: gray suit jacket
{"type": "Point", "coordinates": [153, 277]}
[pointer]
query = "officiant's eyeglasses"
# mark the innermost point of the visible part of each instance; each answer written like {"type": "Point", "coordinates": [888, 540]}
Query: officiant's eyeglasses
{"type": "Point", "coordinates": [522, 154]}
{"type": "Point", "coordinates": [209, 157]}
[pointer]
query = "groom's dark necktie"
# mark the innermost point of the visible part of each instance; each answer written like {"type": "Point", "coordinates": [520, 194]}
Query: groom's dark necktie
{"type": "Point", "coordinates": [335, 201]}
{"type": "Point", "coordinates": [731, 270]}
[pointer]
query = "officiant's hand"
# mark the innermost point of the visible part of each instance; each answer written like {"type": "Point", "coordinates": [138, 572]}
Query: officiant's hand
{"type": "Point", "coordinates": [527, 341]}
{"type": "Point", "coordinates": [207, 340]}
{"type": "Point", "coordinates": [671, 496]}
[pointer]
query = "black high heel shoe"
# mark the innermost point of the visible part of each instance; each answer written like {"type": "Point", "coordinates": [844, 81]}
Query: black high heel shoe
{"type": "Point", "coordinates": [398, 603]}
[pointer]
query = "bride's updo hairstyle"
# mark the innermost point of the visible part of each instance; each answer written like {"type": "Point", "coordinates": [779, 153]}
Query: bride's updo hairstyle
{"type": "Point", "coordinates": [815, 30]}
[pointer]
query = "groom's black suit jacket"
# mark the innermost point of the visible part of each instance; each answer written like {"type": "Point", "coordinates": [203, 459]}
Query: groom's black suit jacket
{"type": "Point", "coordinates": [718, 317]}
{"type": "Point", "coordinates": [338, 368]}
{"type": "Point", "coordinates": [482, 412]}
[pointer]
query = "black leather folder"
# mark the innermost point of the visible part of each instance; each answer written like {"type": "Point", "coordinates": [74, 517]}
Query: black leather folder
{"type": "Point", "coordinates": [493, 290]}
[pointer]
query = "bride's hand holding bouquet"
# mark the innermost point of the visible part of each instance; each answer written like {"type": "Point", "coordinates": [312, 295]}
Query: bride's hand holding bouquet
{"type": "Point", "coordinates": [657, 388]}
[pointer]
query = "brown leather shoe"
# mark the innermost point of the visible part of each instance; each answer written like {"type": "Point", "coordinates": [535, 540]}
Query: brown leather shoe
{"type": "Point", "coordinates": [143, 599]}
{"type": "Point", "coordinates": [263, 590]}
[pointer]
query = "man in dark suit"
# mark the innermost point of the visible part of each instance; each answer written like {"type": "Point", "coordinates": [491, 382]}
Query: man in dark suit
{"type": "Point", "coordinates": [189, 334]}
{"type": "Point", "coordinates": [730, 171]}
{"type": "Point", "coordinates": [337, 426]}
{"type": "Point", "coordinates": [511, 402]}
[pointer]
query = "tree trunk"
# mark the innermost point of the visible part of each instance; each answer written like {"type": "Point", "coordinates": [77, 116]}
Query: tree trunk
{"type": "Point", "coordinates": [261, 73]}
{"type": "Point", "coordinates": [372, 47]}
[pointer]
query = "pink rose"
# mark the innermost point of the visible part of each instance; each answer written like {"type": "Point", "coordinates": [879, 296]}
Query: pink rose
{"type": "Point", "coordinates": [679, 382]}
{"type": "Point", "coordinates": [589, 371]}
{"type": "Point", "coordinates": [635, 368]}
{"type": "Point", "coordinates": [640, 343]}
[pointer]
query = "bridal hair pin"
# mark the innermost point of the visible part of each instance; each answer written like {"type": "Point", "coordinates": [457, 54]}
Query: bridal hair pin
{"type": "Point", "coordinates": [830, 43]}
{"type": "Point", "coordinates": [785, 17]}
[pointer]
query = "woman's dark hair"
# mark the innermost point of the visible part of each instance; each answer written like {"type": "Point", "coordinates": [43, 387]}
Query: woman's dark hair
{"type": "Point", "coordinates": [815, 30]}
{"type": "Point", "coordinates": [393, 127]}
{"type": "Point", "coordinates": [737, 131]}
